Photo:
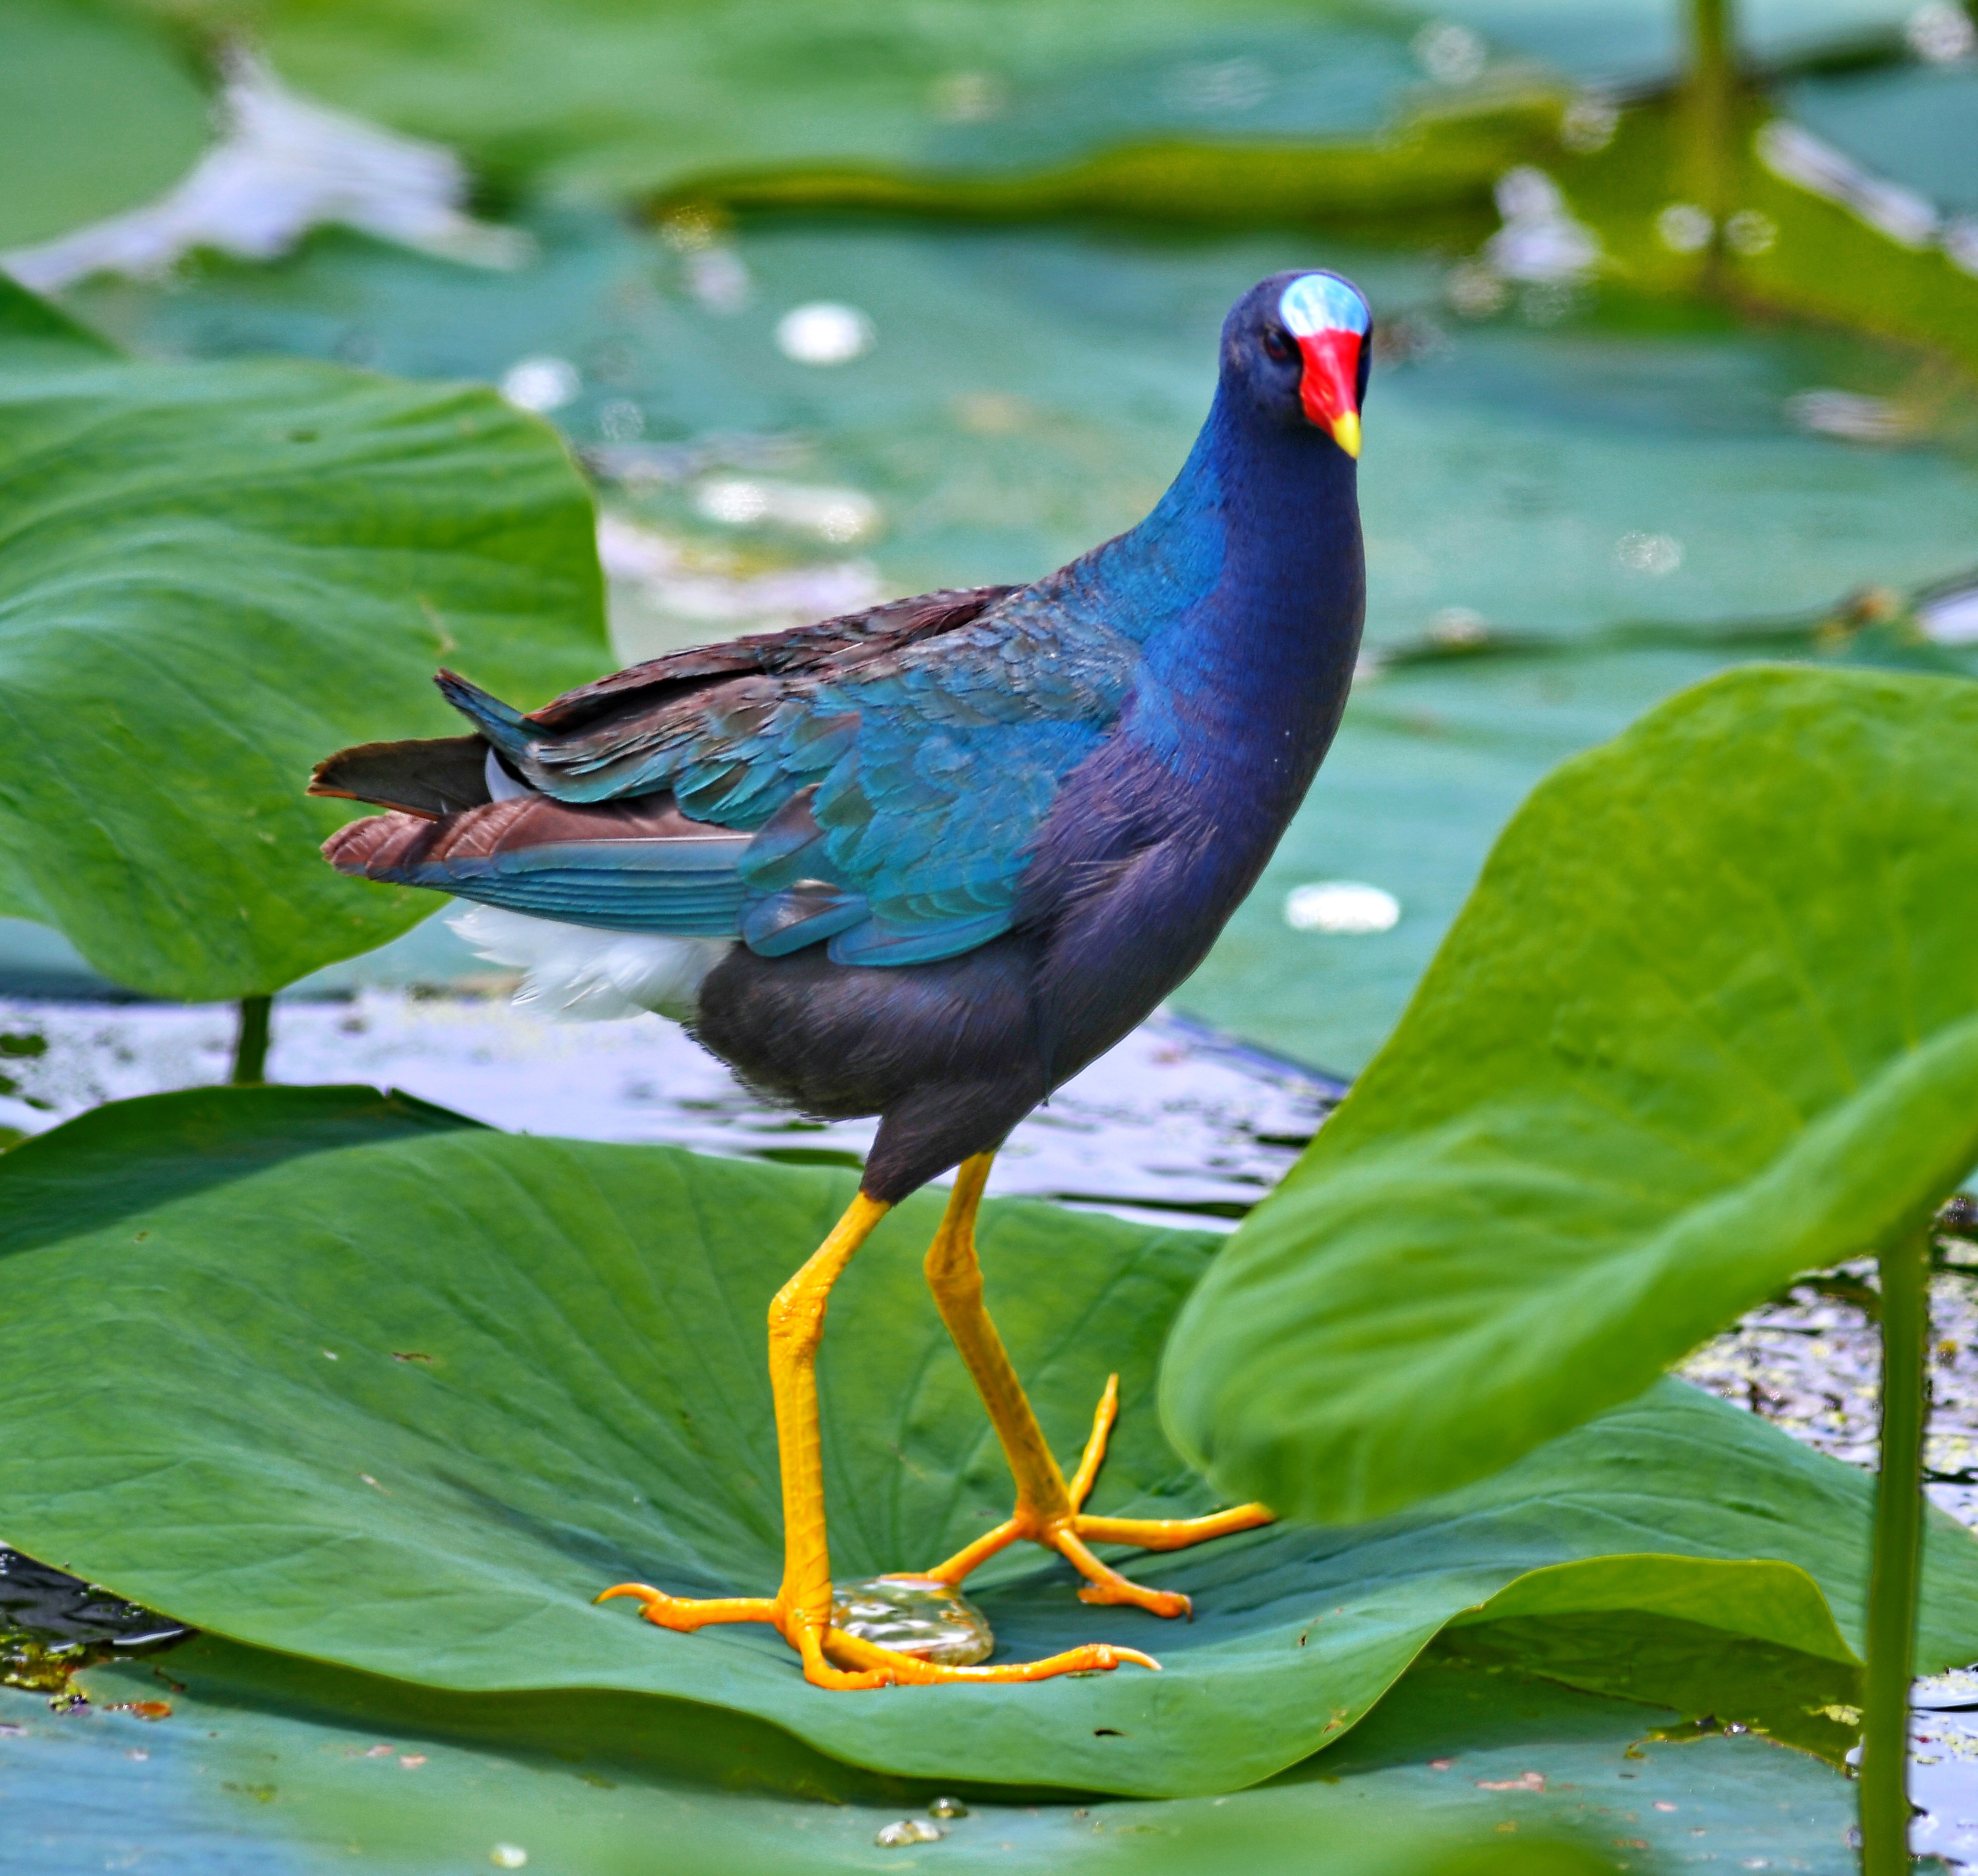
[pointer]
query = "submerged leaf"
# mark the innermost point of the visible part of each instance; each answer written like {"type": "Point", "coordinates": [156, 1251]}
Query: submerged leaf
{"type": "Point", "coordinates": [1710, 1020]}
{"type": "Point", "coordinates": [307, 1764]}
{"type": "Point", "coordinates": [208, 1293]}
{"type": "Point", "coordinates": [210, 577]}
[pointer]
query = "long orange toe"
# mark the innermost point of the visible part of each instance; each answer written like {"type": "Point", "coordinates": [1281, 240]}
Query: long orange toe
{"type": "Point", "coordinates": [686, 1614]}
{"type": "Point", "coordinates": [1167, 1603]}
{"type": "Point", "coordinates": [908, 1671]}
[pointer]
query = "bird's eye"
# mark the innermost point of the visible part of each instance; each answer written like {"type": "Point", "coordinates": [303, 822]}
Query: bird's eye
{"type": "Point", "coordinates": [1278, 343]}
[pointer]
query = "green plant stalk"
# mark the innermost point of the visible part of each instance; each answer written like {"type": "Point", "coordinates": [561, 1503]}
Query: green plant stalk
{"type": "Point", "coordinates": [1708, 109]}
{"type": "Point", "coordinates": [1893, 1583]}
{"type": "Point", "coordinates": [250, 1041]}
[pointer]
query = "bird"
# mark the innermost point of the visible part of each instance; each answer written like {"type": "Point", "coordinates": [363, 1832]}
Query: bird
{"type": "Point", "coordinates": [926, 862]}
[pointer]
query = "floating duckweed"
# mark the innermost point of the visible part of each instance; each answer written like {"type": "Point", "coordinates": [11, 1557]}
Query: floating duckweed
{"type": "Point", "coordinates": [507, 1856]}
{"type": "Point", "coordinates": [908, 1831]}
{"type": "Point", "coordinates": [947, 1807]}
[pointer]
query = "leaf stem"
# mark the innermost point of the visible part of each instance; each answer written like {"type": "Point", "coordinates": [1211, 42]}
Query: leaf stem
{"type": "Point", "coordinates": [250, 1041]}
{"type": "Point", "coordinates": [1893, 1583]}
{"type": "Point", "coordinates": [1709, 117]}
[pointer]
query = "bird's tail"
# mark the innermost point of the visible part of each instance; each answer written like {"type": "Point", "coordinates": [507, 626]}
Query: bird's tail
{"type": "Point", "coordinates": [502, 724]}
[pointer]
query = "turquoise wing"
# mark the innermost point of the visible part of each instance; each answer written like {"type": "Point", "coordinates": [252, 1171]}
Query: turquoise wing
{"type": "Point", "coordinates": [893, 804]}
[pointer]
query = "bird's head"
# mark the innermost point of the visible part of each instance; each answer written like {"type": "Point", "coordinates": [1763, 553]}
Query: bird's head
{"type": "Point", "coordinates": [1297, 345]}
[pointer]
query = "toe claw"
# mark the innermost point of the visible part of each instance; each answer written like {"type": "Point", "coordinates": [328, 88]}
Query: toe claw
{"type": "Point", "coordinates": [644, 1591]}
{"type": "Point", "coordinates": [909, 1671]}
{"type": "Point", "coordinates": [655, 1605]}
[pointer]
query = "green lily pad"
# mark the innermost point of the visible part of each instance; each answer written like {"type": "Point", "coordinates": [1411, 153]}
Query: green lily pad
{"type": "Point", "coordinates": [33, 329]}
{"type": "Point", "coordinates": [1709, 1019]}
{"type": "Point", "coordinates": [99, 110]}
{"type": "Point", "coordinates": [211, 575]}
{"type": "Point", "coordinates": [329, 1373]}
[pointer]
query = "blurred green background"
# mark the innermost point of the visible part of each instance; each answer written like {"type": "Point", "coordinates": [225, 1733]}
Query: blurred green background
{"type": "Point", "coordinates": [1605, 455]}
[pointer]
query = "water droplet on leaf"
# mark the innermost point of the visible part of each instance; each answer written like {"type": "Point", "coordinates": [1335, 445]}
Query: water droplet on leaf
{"type": "Point", "coordinates": [931, 1621]}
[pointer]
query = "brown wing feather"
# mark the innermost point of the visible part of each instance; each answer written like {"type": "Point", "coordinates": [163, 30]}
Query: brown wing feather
{"type": "Point", "coordinates": [661, 682]}
{"type": "Point", "coordinates": [432, 777]}
{"type": "Point", "coordinates": [429, 777]}
{"type": "Point", "coordinates": [415, 849]}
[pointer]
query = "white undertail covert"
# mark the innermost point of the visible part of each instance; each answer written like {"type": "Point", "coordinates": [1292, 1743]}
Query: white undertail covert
{"type": "Point", "coordinates": [581, 975]}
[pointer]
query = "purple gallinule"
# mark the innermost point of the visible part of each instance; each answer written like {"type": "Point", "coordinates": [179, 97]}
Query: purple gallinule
{"type": "Point", "coordinates": [927, 862]}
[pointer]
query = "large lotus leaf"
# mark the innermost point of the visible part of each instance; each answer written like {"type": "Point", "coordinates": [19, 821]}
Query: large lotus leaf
{"type": "Point", "coordinates": [1710, 1019]}
{"type": "Point", "coordinates": [611, 97]}
{"type": "Point", "coordinates": [1446, 161]}
{"type": "Point", "coordinates": [99, 111]}
{"type": "Point", "coordinates": [322, 1373]}
{"type": "Point", "coordinates": [33, 330]}
{"type": "Point", "coordinates": [268, 1763]}
{"type": "Point", "coordinates": [212, 575]}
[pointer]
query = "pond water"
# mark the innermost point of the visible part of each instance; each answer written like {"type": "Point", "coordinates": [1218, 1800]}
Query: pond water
{"type": "Point", "coordinates": [1619, 42]}
{"type": "Point", "coordinates": [1179, 1124]}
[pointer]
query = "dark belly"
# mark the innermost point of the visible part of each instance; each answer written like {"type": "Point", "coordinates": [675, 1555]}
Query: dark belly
{"type": "Point", "coordinates": [954, 1054]}
{"type": "Point", "coordinates": [1134, 878]}
{"type": "Point", "coordinates": [840, 1041]}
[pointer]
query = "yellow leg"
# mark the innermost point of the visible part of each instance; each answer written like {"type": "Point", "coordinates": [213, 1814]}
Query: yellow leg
{"type": "Point", "coordinates": [1048, 1510]}
{"type": "Point", "coordinates": [800, 1610]}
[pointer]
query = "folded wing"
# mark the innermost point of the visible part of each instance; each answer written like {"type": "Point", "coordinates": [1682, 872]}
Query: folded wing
{"type": "Point", "coordinates": [875, 783]}
{"type": "Point", "coordinates": [636, 866]}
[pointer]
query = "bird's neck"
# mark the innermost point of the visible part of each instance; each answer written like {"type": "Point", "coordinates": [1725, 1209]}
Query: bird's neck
{"type": "Point", "coordinates": [1245, 587]}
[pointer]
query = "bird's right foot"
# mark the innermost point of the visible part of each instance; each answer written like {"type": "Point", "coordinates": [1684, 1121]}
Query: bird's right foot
{"type": "Point", "coordinates": [1049, 1508]}
{"type": "Point", "coordinates": [1070, 1531]}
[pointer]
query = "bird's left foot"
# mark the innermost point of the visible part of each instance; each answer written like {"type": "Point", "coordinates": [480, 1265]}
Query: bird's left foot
{"type": "Point", "coordinates": [1070, 1530]}
{"type": "Point", "coordinates": [834, 1659]}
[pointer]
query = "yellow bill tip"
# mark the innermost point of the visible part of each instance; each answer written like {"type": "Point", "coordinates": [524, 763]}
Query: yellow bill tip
{"type": "Point", "coordinates": [1346, 433]}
